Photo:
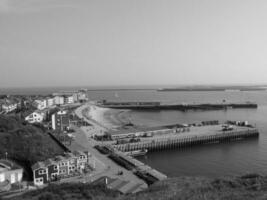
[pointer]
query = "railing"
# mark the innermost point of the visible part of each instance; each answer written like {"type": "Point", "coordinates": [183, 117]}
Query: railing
{"type": "Point", "coordinates": [177, 141]}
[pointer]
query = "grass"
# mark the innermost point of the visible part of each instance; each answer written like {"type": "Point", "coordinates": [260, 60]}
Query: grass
{"type": "Point", "coordinates": [68, 191]}
{"type": "Point", "coordinates": [247, 187]}
{"type": "Point", "coordinates": [25, 143]}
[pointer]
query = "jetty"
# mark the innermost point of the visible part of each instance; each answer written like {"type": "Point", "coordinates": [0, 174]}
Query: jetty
{"type": "Point", "coordinates": [184, 137]}
{"type": "Point", "coordinates": [155, 105]}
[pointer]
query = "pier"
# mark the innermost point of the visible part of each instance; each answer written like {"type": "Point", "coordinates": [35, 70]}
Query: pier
{"type": "Point", "coordinates": [194, 136]}
{"type": "Point", "coordinates": [144, 172]}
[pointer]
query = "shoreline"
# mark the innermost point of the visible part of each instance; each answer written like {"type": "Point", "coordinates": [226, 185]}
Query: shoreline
{"type": "Point", "coordinates": [109, 118]}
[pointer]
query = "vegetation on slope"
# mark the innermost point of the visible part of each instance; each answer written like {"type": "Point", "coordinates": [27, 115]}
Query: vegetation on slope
{"type": "Point", "coordinates": [69, 191]}
{"type": "Point", "coordinates": [248, 187]}
{"type": "Point", "coordinates": [25, 143]}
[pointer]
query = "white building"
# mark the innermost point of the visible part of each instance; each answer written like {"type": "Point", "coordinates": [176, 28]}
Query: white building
{"type": "Point", "coordinates": [50, 102]}
{"type": "Point", "coordinates": [82, 96]}
{"type": "Point", "coordinates": [59, 100]}
{"type": "Point", "coordinates": [40, 104]}
{"type": "Point", "coordinates": [68, 99]}
{"type": "Point", "coordinates": [10, 173]}
{"type": "Point", "coordinates": [60, 120]}
{"type": "Point", "coordinates": [9, 107]}
{"type": "Point", "coordinates": [35, 117]}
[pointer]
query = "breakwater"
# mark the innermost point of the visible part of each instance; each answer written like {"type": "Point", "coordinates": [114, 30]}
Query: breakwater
{"type": "Point", "coordinates": [178, 142]}
{"type": "Point", "coordinates": [181, 107]}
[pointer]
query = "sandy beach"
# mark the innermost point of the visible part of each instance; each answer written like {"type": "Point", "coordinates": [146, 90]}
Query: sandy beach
{"type": "Point", "coordinates": [109, 118]}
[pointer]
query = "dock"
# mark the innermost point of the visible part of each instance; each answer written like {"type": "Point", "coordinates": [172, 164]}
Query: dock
{"type": "Point", "coordinates": [144, 172]}
{"type": "Point", "coordinates": [175, 106]}
{"type": "Point", "coordinates": [189, 137]}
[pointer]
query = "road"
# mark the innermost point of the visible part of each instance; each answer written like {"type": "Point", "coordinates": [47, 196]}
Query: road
{"type": "Point", "coordinates": [103, 165]}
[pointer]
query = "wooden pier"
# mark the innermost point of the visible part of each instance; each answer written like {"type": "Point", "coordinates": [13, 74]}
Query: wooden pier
{"type": "Point", "coordinates": [188, 139]}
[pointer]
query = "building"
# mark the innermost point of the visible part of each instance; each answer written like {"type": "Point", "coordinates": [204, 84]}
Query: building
{"type": "Point", "coordinates": [50, 102]}
{"type": "Point", "coordinates": [60, 120]}
{"type": "Point", "coordinates": [10, 173]}
{"type": "Point", "coordinates": [35, 117]}
{"type": "Point", "coordinates": [71, 164]}
{"type": "Point", "coordinates": [59, 100]}
{"type": "Point", "coordinates": [82, 96]}
{"type": "Point", "coordinates": [40, 104]}
{"type": "Point", "coordinates": [9, 107]}
{"type": "Point", "coordinates": [68, 99]}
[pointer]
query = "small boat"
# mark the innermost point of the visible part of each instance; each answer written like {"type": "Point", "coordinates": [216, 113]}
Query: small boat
{"type": "Point", "coordinates": [137, 153]}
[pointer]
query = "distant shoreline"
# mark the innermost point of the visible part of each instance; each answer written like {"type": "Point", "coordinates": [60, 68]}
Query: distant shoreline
{"type": "Point", "coordinates": [213, 89]}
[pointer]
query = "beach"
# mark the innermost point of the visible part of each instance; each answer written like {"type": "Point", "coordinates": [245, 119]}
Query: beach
{"type": "Point", "coordinates": [108, 118]}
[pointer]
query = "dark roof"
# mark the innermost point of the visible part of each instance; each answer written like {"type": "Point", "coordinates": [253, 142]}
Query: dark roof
{"type": "Point", "coordinates": [38, 165]}
{"type": "Point", "coordinates": [8, 164]}
{"type": "Point", "coordinates": [49, 162]}
{"type": "Point", "coordinates": [78, 153]}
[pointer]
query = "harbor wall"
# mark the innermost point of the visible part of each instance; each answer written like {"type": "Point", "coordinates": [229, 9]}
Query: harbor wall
{"type": "Point", "coordinates": [178, 142]}
{"type": "Point", "coordinates": [182, 107]}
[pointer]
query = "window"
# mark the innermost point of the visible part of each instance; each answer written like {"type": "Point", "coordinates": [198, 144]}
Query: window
{"type": "Point", "coordinates": [39, 180]}
{"type": "Point", "coordinates": [55, 167]}
{"type": "Point", "coordinates": [2, 177]}
{"type": "Point", "coordinates": [42, 171]}
{"type": "Point", "coordinates": [19, 176]}
{"type": "Point", "coordinates": [12, 178]}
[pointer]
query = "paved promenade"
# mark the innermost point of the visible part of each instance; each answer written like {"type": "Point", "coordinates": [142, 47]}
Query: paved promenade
{"type": "Point", "coordinates": [103, 165]}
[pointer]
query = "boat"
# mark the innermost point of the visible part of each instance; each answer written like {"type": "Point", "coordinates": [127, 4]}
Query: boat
{"type": "Point", "coordinates": [141, 152]}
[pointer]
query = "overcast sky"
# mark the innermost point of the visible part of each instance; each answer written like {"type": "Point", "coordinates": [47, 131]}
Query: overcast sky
{"type": "Point", "coordinates": [132, 42]}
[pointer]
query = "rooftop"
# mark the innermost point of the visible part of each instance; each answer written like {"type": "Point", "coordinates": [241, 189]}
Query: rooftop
{"type": "Point", "coordinates": [6, 165]}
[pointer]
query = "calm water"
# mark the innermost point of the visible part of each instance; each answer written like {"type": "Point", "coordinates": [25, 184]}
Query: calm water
{"type": "Point", "coordinates": [208, 160]}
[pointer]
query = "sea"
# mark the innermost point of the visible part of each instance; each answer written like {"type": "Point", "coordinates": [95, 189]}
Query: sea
{"type": "Point", "coordinates": [212, 160]}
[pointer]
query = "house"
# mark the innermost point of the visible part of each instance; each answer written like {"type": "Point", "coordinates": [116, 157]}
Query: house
{"type": "Point", "coordinates": [68, 99]}
{"type": "Point", "coordinates": [40, 104]}
{"type": "Point", "coordinates": [52, 169]}
{"type": "Point", "coordinates": [60, 120]}
{"type": "Point", "coordinates": [82, 96]}
{"type": "Point", "coordinates": [81, 159]}
{"type": "Point", "coordinates": [35, 117]}
{"type": "Point", "coordinates": [50, 102]}
{"type": "Point", "coordinates": [59, 100]}
{"type": "Point", "coordinates": [40, 172]}
{"type": "Point", "coordinates": [10, 173]}
{"type": "Point", "coordinates": [63, 164]}
{"type": "Point", "coordinates": [70, 164]}
{"type": "Point", "coordinates": [9, 107]}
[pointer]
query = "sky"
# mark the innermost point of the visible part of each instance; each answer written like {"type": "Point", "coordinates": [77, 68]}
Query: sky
{"type": "Point", "coordinates": [46, 43]}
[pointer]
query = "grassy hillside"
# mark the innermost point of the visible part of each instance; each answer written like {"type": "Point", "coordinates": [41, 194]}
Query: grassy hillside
{"type": "Point", "coordinates": [249, 187]}
{"type": "Point", "coordinates": [24, 142]}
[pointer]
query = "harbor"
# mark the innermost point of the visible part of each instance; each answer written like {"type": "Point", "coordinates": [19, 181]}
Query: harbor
{"type": "Point", "coordinates": [117, 147]}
